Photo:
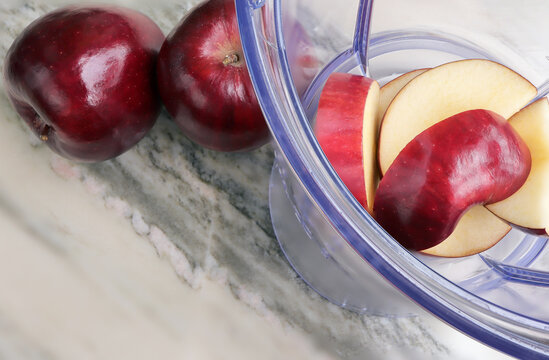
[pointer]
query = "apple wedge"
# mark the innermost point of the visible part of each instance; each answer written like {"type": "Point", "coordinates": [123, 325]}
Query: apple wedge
{"type": "Point", "coordinates": [347, 128]}
{"type": "Point", "coordinates": [529, 206]}
{"type": "Point", "coordinates": [445, 91]}
{"type": "Point", "coordinates": [474, 157]}
{"type": "Point", "coordinates": [527, 209]}
{"type": "Point", "coordinates": [437, 94]}
{"type": "Point", "coordinates": [475, 232]}
{"type": "Point", "coordinates": [388, 91]}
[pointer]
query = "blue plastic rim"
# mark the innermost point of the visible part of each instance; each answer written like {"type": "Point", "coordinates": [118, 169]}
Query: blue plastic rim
{"type": "Point", "coordinates": [497, 327]}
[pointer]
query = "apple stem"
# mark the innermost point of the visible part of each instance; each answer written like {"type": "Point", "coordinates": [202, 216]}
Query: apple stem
{"type": "Point", "coordinates": [44, 134]}
{"type": "Point", "coordinates": [41, 128]}
{"type": "Point", "coordinates": [231, 59]}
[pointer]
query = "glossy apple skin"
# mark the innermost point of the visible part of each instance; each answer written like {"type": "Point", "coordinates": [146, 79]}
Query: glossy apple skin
{"type": "Point", "coordinates": [474, 157]}
{"type": "Point", "coordinates": [204, 82]}
{"type": "Point", "coordinates": [82, 78]}
{"type": "Point", "coordinates": [338, 128]}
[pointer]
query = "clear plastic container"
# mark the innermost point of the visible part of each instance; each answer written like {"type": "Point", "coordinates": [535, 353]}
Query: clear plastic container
{"type": "Point", "coordinates": [499, 296]}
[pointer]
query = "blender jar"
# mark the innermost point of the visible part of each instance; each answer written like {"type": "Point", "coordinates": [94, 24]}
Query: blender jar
{"type": "Point", "coordinates": [291, 48]}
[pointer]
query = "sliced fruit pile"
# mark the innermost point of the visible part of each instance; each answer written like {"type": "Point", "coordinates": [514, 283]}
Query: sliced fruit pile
{"type": "Point", "coordinates": [445, 159]}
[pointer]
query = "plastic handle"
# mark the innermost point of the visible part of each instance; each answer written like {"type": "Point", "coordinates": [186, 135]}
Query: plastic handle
{"type": "Point", "coordinates": [362, 34]}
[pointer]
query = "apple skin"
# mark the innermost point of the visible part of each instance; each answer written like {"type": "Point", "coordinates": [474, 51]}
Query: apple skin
{"type": "Point", "coordinates": [204, 82]}
{"type": "Point", "coordinates": [82, 78]}
{"type": "Point", "coordinates": [473, 157]}
{"type": "Point", "coordinates": [341, 119]}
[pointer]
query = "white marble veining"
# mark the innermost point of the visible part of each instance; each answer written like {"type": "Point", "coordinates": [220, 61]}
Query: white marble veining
{"type": "Point", "coordinates": [165, 252]}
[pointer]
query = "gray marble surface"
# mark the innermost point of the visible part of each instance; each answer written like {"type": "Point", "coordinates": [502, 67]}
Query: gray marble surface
{"type": "Point", "coordinates": [165, 252]}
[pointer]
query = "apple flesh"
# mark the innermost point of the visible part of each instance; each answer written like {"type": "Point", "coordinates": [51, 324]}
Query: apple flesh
{"type": "Point", "coordinates": [474, 157]}
{"type": "Point", "coordinates": [204, 82]}
{"type": "Point", "coordinates": [529, 206]}
{"type": "Point", "coordinates": [346, 127]}
{"type": "Point", "coordinates": [82, 78]}
{"type": "Point", "coordinates": [390, 90]}
{"type": "Point", "coordinates": [476, 231]}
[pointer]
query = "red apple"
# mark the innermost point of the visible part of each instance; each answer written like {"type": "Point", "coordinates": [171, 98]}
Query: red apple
{"type": "Point", "coordinates": [477, 231]}
{"type": "Point", "coordinates": [474, 157]}
{"type": "Point", "coordinates": [346, 128]}
{"type": "Point", "coordinates": [204, 82]}
{"type": "Point", "coordinates": [82, 78]}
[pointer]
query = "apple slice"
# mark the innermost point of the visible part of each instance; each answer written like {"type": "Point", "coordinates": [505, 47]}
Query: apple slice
{"type": "Point", "coordinates": [477, 231]}
{"type": "Point", "coordinates": [445, 91]}
{"type": "Point", "coordinates": [529, 206]}
{"type": "Point", "coordinates": [388, 91]}
{"type": "Point", "coordinates": [474, 157]}
{"type": "Point", "coordinates": [437, 94]}
{"type": "Point", "coordinates": [347, 128]}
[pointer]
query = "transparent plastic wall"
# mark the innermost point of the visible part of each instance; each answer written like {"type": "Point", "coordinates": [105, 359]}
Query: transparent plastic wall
{"type": "Point", "coordinates": [291, 48]}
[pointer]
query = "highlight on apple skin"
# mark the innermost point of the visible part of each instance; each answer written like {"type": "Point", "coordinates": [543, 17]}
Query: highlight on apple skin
{"type": "Point", "coordinates": [346, 127]}
{"type": "Point", "coordinates": [474, 157]}
{"type": "Point", "coordinates": [82, 78]}
{"type": "Point", "coordinates": [389, 91]}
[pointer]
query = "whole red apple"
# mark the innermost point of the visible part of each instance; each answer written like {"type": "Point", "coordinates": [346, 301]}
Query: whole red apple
{"type": "Point", "coordinates": [82, 78]}
{"type": "Point", "coordinates": [204, 82]}
{"type": "Point", "coordinates": [473, 157]}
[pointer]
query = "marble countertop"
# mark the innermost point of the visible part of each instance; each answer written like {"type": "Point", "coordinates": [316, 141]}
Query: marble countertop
{"type": "Point", "coordinates": [165, 252]}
